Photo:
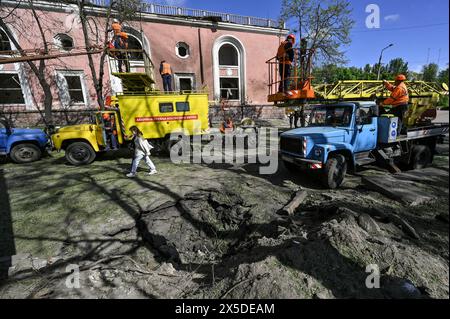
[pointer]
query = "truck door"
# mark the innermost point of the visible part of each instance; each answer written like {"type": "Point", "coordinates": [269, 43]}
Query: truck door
{"type": "Point", "coordinates": [365, 131]}
{"type": "Point", "coordinates": [3, 137]}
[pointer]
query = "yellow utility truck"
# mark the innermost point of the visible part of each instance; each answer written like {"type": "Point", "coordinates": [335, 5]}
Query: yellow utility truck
{"type": "Point", "coordinates": [155, 113]}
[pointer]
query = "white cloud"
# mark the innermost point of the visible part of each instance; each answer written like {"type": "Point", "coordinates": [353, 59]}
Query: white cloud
{"type": "Point", "coordinates": [392, 17]}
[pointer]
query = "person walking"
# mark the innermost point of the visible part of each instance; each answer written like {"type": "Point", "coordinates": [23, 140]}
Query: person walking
{"type": "Point", "coordinates": [142, 150]}
{"type": "Point", "coordinates": [166, 73]}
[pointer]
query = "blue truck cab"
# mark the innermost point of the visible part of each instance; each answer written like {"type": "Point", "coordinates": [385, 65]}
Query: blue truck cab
{"type": "Point", "coordinates": [22, 145]}
{"type": "Point", "coordinates": [342, 136]}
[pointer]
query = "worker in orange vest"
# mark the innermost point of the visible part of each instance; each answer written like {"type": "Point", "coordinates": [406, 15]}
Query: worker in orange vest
{"type": "Point", "coordinates": [166, 73]}
{"type": "Point", "coordinates": [116, 28]}
{"type": "Point", "coordinates": [110, 132]}
{"type": "Point", "coordinates": [399, 98]}
{"type": "Point", "coordinates": [285, 57]}
{"type": "Point", "coordinates": [226, 126]}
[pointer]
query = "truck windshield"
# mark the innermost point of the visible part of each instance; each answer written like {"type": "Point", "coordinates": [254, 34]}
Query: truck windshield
{"type": "Point", "coordinates": [330, 115]}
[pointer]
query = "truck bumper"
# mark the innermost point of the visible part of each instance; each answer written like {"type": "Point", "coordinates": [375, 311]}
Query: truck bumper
{"type": "Point", "coordinates": [303, 163]}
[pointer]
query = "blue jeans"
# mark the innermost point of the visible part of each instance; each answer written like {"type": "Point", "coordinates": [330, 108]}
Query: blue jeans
{"type": "Point", "coordinates": [167, 82]}
{"type": "Point", "coordinates": [137, 159]}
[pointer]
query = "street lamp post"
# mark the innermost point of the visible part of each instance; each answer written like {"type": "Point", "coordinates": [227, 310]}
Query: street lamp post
{"type": "Point", "coordinates": [379, 61]}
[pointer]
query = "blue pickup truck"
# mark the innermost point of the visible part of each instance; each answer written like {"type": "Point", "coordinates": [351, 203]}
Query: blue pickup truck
{"type": "Point", "coordinates": [22, 145]}
{"type": "Point", "coordinates": [342, 136]}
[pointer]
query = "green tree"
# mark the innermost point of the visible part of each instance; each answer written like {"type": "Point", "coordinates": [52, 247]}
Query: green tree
{"type": "Point", "coordinates": [325, 24]}
{"type": "Point", "coordinates": [430, 72]}
{"type": "Point", "coordinates": [443, 76]}
{"type": "Point", "coordinates": [398, 66]}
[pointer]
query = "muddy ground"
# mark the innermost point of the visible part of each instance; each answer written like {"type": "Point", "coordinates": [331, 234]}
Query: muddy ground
{"type": "Point", "coordinates": [216, 231]}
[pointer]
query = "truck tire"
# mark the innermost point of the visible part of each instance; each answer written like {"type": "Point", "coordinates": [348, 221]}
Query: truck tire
{"type": "Point", "coordinates": [421, 157]}
{"type": "Point", "coordinates": [334, 171]}
{"type": "Point", "coordinates": [25, 153]}
{"type": "Point", "coordinates": [80, 153]}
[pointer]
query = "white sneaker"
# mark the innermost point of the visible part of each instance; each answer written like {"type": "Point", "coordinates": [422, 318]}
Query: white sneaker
{"type": "Point", "coordinates": [131, 175]}
{"type": "Point", "coordinates": [152, 172]}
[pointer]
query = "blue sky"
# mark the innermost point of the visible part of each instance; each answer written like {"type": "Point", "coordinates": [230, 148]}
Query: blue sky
{"type": "Point", "coordinates": [418, 29]}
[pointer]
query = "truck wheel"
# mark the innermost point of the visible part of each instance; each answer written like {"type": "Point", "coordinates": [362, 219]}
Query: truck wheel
{"type": "Point", "coordinates": [420, 157]}
{"type": "Point", "coordinates": [80, 153]}
{"type": "Point", "coordinates": [25, 153]}
{"type": "Point", "coordinates": [334, 171]}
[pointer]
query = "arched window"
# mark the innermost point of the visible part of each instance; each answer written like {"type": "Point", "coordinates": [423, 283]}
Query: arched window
{"type": "Point", "coordinates": [5, 45]}
{"type": "Point", "coordinates": [229, 69]}
{"type": "Point", "coordinates": [228, 55]}
{"type": "Point", "coordinates": [135, 44]}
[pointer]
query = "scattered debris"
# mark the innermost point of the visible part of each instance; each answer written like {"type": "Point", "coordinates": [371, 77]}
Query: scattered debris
{"type": "Point", "coordinates": [299, 197]}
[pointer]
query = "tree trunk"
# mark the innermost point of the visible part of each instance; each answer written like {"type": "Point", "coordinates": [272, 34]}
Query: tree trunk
{"type": "Point", "coordinates": [97, 85]}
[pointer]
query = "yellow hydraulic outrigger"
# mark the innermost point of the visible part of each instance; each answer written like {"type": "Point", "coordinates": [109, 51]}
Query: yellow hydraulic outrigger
{"type": "Point", "coordinates": [424, 96]}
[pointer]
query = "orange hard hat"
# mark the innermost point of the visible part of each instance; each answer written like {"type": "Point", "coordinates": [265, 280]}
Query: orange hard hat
{"type": "Point", "coordinates": [400, 77]}
{"type": "Point", "coordinates": [291, 36]}
{"type": "Point", "coordinates": [105, 116]}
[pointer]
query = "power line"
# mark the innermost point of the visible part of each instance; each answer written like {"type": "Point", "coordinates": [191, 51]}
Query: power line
{"type": "Point", "coordinates": [402, 28]}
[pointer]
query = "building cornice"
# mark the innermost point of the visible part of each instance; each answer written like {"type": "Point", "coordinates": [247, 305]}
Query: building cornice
{"type": "Point", "coordinates": [57, 6]}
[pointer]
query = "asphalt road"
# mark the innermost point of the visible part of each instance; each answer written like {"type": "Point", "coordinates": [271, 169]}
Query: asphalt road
{"type": "Point", "coordinates": [442, 117]}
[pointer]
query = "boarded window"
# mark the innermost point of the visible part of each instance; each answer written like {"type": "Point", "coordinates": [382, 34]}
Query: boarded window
{"type": "Point", "coordinates": [165, 107]}
{"type": "Point", "coordinates": [182, 106]}
{"type": "Point", "coordinates": [10, 90]}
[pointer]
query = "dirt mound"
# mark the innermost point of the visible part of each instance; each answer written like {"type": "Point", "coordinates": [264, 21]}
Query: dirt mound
{"type": "Point", "coordinates": [203, 226]}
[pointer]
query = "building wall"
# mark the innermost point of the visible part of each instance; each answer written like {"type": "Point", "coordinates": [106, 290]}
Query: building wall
{"type": "Point", "coordinates": [161, 35]}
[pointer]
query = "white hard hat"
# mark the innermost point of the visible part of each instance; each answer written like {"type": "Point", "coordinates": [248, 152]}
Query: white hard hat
{"type": "Point", "coordinates": [115, 21]}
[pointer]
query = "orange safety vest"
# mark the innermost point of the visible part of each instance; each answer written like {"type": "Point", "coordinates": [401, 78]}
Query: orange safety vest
{"type": "Point", "coordinates": [282, 55]}
{"type": "Point", "coordinates": [117, 28]}
{"type": "Point", "coordinates": [399, 95]}
{"type": "Point", "coordinates": [166, 69]}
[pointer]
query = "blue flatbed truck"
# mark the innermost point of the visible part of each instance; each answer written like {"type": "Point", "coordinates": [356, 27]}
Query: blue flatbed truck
{"type": "Point", "coordinates": [340, 137]}
{"type": "Point", "coordinates": [22, 145]}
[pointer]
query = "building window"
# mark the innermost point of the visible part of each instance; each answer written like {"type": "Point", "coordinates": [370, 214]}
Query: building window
{"type": "Point", "coordinates": [184, 82]}
{"type": "Point", "coordinates": [229, 72]}
{"type": "Point", "coordinates": [228, 55]}
{"type": "Point", "coordinates": [63, 41]}
{"type": "Point", "coordinates": [182, 106]}
{"type": "Point", "coordinates": [182, 50]}
{"type": "Point", "coordinates": [165, 107]}
{"type": "Point", "coordinates": [134, 44]}
{"type": "Point", "coordinates": [5, 45]}
{"type": "Point", "coordinates": [10, 89]}
{"type": "Point", "coordinates": [229, 88]}
{"type": "Point", "coordinates": [72, 88]}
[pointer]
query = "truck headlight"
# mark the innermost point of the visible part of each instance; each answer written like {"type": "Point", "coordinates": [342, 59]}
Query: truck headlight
{"type": "Point", "coordinates": [318, 152]}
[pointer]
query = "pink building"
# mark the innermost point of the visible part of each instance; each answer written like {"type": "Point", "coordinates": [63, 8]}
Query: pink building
{"type": "Point", "coordinates": [222, 53]}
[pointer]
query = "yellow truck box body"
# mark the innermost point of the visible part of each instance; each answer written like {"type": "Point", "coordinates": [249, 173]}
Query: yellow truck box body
{"type": "Point", "coordinates": [157, 116]}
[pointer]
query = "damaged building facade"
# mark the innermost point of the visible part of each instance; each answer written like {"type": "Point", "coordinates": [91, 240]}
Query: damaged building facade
{"type": "Point", "coordinates": [224, 54]}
